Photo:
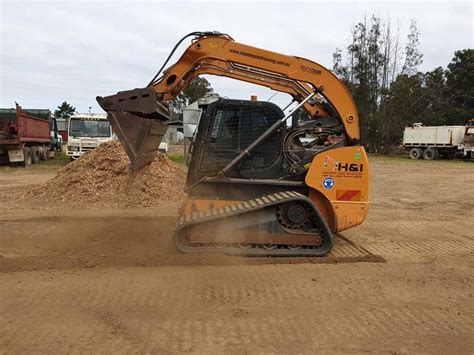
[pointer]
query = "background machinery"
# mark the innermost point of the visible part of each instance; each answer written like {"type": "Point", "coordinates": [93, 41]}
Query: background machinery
{"type": "Point", "coordinates": [27, 136]}
{"type": "Point", "coordinates": [432, 142]}
{"type": "Point", "coordinates": [256, 185]}
{"type": "Point", "coordinates": [86, 131]}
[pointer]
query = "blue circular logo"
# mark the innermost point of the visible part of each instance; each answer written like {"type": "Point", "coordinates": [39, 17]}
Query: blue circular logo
{"type": "Point", "coordinates": [328, 183]}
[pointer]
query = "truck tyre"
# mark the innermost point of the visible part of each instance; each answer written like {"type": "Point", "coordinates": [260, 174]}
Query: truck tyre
{"type": "Point", "coordinates": [429, 154]}
{"type": "Point", "coordinates": [41, 152]}
{"type": "Point", "coordinates": [416, 153]}
{"type": "Point", "coordinates": [35, 156]}
{"type": "Point", "coordinates": [44, 153]}
{"type": "Point", "coordinates": [27, 155]}
{"type": "Point", "coordinates": [47, 150]}
{"type": "Point", "coordinates": [437, 154]}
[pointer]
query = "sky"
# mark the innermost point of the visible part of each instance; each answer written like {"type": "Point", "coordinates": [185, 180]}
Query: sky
{"type": "Point", "coordinates": [52, 51]}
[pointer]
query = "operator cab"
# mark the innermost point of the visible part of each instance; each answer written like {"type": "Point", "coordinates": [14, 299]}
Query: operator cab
{"type": "Point", "coordinates": [225, 129]}
{"type": "Point", "coordinates": [228, 127]}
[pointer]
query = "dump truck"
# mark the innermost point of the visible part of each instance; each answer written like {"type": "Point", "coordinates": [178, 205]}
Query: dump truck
{"type": "Point", "coordinates": [433, 142]}
{"type": "Point", "coordinates": [254, 187]}
{"type": "Point", "coordinates": [27, 136]}
{"type": "Point", "coordinates": [86, 131]}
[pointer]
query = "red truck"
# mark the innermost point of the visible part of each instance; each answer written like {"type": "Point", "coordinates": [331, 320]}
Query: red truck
{"type": "Point", "coordinates": [27, 136]}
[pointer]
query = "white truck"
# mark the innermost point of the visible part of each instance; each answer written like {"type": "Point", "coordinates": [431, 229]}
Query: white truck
{"type": "Point", "coordinates": [87, 131]}
{"type": "Point", "coordinates": [432, 142]}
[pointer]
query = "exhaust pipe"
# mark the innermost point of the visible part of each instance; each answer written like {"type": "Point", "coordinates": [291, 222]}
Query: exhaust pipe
{"type": "Point", "coordinates": [139, 121]}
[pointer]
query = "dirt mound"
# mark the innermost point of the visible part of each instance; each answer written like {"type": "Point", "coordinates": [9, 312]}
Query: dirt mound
{"type": "Point", "coordinates": [101, 177]}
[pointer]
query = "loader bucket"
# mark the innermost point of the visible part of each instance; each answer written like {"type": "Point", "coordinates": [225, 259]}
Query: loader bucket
{"type": "Point", "coordinates": [139, 121]}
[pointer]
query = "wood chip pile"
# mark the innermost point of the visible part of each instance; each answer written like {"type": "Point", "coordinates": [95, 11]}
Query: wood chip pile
{"type": "Point", "coordinates": [101, 177]}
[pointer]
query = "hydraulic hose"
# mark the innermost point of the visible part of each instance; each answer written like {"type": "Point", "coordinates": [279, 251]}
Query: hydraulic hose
{"type": "Point", "coordinates": [196, 34]}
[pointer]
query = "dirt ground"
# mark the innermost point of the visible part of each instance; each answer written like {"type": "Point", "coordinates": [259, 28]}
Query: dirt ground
{"type": "Point", "coordinates": [109, 280]}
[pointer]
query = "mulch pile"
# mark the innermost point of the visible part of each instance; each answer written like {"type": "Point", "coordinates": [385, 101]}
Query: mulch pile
{"type": "Point", "coordinates": [101, 177]}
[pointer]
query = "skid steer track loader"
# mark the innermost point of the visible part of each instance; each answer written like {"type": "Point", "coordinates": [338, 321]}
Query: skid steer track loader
{"type": "Point", "coordinates": [255, 185]}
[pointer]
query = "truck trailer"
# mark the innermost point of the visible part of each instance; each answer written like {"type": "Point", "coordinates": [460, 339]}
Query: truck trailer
{"type": "Point", "coordinates": [433, 142]}
{"type": "Point", "coordinates": [27, 136]}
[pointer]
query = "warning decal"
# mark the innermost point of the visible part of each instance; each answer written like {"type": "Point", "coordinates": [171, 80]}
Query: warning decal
{"type": "Point", "coordinates": [348, 195]}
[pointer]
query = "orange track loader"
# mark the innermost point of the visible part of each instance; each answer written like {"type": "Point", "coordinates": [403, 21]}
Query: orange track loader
{"type": "Point", "coordinates": [256, 185]}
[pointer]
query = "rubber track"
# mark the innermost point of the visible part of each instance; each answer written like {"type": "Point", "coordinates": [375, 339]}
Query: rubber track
{"type": "Point", "coordinates": [249, 206]}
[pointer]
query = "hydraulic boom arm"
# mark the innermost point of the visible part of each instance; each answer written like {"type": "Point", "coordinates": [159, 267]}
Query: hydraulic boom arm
{"type": "Point", "coordinates": [138, 115]}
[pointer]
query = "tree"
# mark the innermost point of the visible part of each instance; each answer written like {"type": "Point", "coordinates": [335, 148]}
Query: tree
{"type": "Point", "coordinates": [460, 86]}
{"type": "Point", "coordinates": [433, 99]}
{"type": "Point", "coordinates": [339, 69]}
{"type": "Point", "coordinates": [64, 110]}
{"type": "Point", "coordinates": [388, 98]}
{"type": "Point", "coordinates": [405, 104]}
{"type": "Point", "coordinates": [365, 74]}
{"type": "Point", "coordinates": [372, 67]}
{"type": "Point", "coordinates": [196, 89]}
{"type": "Point", "coordinates": [413, 56]}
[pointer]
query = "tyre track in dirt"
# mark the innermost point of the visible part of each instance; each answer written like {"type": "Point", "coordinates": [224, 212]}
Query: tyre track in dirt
{"type": "Point", "coordinates": [63, 243]}
{"type": "Point", "coordinates": [421, 249]}
{"type": "Point", "coordinates": [157, 313]}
